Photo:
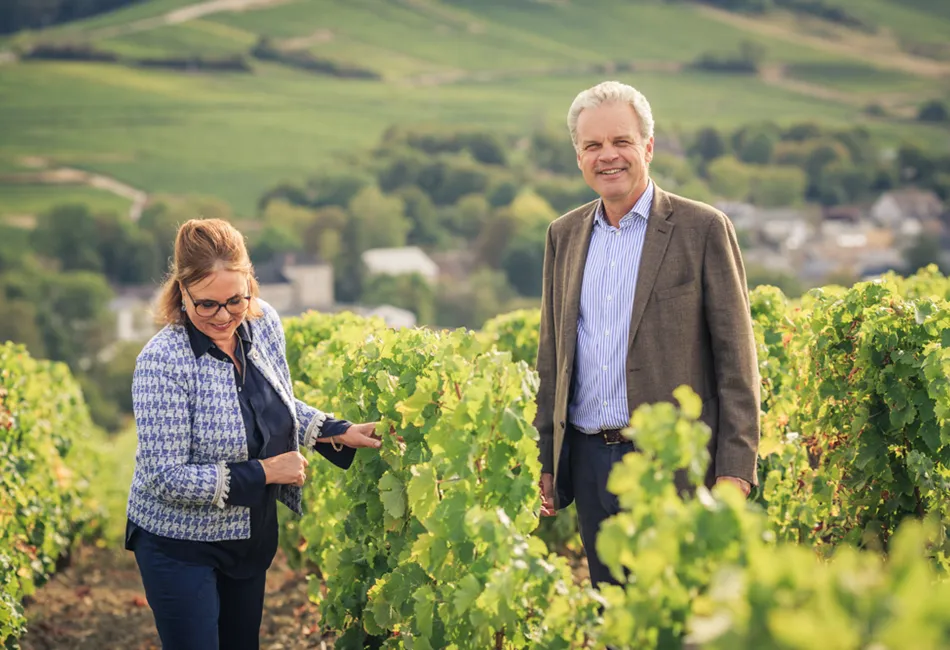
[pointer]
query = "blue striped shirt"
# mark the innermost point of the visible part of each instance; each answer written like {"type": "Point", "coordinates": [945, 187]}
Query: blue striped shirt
{"type": "Point", "coordinates": [603, 323]}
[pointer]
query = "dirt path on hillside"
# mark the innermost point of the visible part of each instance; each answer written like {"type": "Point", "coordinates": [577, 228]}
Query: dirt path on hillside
{"type": "Point", "coordinates": [183, 15]}
{"type": "Point", "coordinates": [98, 604]}
{"type": "Point", "coordinates": [71, 176]}
{"type": "Point", "coordinates": [882, 51]}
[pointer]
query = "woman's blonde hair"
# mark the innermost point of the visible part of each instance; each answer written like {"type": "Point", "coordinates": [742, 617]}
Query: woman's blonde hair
{"type": "Point", "coordinates": [203, 246]}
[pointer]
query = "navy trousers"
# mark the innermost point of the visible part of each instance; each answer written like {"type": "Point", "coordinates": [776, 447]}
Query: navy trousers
{"type": "Point", "coordinates": [590, 461]}
{"type": "Point", "coordinates": [197, 607]}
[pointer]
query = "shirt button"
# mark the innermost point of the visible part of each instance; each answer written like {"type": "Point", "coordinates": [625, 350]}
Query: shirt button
{"type": "Point", "coordinates": [605, 403]}
{"type": "Point", "coordinates": [605, 367]}
{"type": "Point", "coordinates": [607, 333]}
{"type": "Point", "coordinates": [609, 298]}
{"type": "Point", "coordinates": [613, 264]}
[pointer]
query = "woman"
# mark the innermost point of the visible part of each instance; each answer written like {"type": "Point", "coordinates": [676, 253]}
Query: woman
{"type": "Point", "coordinates": [218, 436]}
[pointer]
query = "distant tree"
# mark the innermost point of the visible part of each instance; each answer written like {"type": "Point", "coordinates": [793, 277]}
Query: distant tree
{"type": "Point", "coordinates": [924, 251]}
{"type": "Point", "coordinates": [842, 182]}
{"type": "Point", "coordinates": [486, 148]}
{"type": "Point", "coordinates": [709, 144]}
{"type": "Point", "coordinates": [822, 153]}
{"type": "Point", "coordinates": [14, 247]}
{"type": "Point", "coordinates": [502, 193]}
{"type": "Point", "coordinates": [776, 186]}
{"type": "Point", "coordinates": [425, 229]}
{"type": "Point", "coordinates": [19, 322]}
{"type": "Point", "coordinates": [402, 169]}
{"type": "Point", "coordinates": [408, 291]}
{"type": "Point", "coordinates": [447, 179]}
{"type": "Point", "coordinates": [110, 380]}
{"type": "Point", "coordinates": [697, 190]}
{"type": "Point", "coordinates": [915, 165]}
{"type": "Point", "coordinates": [566, 194]}
{"type": "Point", "coordinates": [130, 255]}
{"type": "Point", "coordinates": [933, 111]}
{"type": "Point", "coordinates": [272, 242]}
{"type": "Point", "coordinates": [294, 218]}
{"type": "Point", "coordinates": [552, 150]}
{"type": "Point", "coordinates": [69, 236]}
{"type": "Point", "coordinates": [492, 242]}
{"type": "Point", "coordinates": [858, 142]}
{"type": "Point", "coordinates": [483, 294]}
{"type": "Point", "coordinates": [729, 178]}
{"type": "Point", "coordinates": [380, 218]}
{"type": "Point", "coordinates": [337, 189]}
{"type": "Point", "coordinates": [468, 215]}
{"type": "Point", "coordinates": [523, 262]}
{"type": "Point", "coordinates": [757, 149]}
{"type": "Point", "coordinates": [802, 131]}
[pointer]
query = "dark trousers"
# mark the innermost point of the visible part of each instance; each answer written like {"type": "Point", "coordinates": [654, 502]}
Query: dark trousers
{"type": "Point", "coordinates": [591, 460]}
{"type": "Point", "coordinates": [197, 607]}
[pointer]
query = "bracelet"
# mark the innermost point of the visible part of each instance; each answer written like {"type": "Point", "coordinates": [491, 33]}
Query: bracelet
{"type": "Point", "coordinates": [336, 445]}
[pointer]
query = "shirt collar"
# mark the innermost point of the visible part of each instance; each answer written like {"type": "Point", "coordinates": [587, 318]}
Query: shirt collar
{"type": "Point", "coordinates": [201, 342]}
{"type": "Point", "coordinates": [640, 209]}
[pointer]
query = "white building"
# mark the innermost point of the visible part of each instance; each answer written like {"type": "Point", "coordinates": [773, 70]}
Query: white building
{"type": "Point", "coordinates": [400, 261]}
{"type": "Point", "coordinates": [293, 284]}
{"type": "Point", "coordinates": [906, 211]}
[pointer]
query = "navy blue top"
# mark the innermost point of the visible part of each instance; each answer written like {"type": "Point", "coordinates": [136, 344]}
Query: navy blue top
{"type": "Point", "coordinates": [270, 431]}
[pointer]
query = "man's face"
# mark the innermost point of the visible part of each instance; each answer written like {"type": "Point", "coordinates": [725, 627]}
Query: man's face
{"type": "Point", "coordinates": [611, 153]}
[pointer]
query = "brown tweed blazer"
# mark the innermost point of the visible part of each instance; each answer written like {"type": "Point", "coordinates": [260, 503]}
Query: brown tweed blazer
{"type": "Point", "coordinates": [690, 324]}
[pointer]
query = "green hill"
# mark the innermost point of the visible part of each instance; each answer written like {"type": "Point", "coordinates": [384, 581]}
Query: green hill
{"type": "Point", "coordinates": [502, 64]}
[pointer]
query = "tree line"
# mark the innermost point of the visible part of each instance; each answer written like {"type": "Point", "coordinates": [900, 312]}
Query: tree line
{"type": "Point", "coordinates": [480, 200]}
{"type": "Point", "coordinates": [37, 14]}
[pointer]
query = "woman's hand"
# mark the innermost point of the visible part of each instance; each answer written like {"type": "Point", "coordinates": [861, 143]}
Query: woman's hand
{"type": "Point", "coordinates": [286, 469]}
{"type": "Point", "coordinates": [359, 435]}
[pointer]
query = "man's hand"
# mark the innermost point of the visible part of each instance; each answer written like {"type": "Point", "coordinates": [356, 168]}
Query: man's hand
{"type": "Point", "coordinates": [742, 484]}
{"type": "Point", "coordinates": [359, 435]}
{"type": "Point", "coordinates": [547, 495]}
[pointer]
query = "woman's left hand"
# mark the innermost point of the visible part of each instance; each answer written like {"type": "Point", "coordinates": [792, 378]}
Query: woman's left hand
{"type": "Point", "coordinates": [360, 435]}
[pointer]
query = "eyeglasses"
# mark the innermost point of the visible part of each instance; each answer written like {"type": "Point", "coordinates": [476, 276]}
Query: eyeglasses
{"type": "Point", "coordinates": [210, 308]}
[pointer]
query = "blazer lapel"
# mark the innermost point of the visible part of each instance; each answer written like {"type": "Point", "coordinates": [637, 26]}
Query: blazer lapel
{"type": "Point", "coordinates": [655, 242]}
{"type": "Point", "coordinates": [577, 260]}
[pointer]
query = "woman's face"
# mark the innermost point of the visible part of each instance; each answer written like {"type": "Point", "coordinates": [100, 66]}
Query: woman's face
{"type": "Point", "coordinates": [204, 299]}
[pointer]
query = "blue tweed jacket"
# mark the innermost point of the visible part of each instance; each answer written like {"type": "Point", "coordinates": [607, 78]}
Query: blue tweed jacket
{"type": "Point", "coordinates": [189, 425]}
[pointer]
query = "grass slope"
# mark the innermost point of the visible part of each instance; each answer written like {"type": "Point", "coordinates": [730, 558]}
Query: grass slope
{"type": "Point", "coordinates": [485, 64]}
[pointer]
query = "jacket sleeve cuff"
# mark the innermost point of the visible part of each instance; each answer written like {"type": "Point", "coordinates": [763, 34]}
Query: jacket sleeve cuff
{"type": "Point", "coordinates": [314, 429]}
{"type": "Point", "coordinates": [248, 481]}
{"type": "Point", "coordinates": [735, 470]}
{"type": "Point", "coordinates": [222, 486]}
{"type": "Point", "coordinates": [546, 454]}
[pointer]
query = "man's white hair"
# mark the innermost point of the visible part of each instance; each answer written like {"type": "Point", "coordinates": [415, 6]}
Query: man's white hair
{"type": "Point", "coordinates": [608, 92]}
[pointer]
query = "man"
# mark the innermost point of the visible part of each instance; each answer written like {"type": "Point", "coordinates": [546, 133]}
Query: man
{"type": "Point", "coordinates": [643, 291]}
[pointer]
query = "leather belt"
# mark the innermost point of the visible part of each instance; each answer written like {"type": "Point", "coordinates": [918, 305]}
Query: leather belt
{"type": "Point", "coordinates": [609, 436]}
{"type": "Point", "coordinates": [612, 436]}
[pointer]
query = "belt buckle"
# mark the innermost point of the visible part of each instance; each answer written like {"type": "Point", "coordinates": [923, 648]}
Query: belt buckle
{"type": "Point", "coordinates": [615, 439]}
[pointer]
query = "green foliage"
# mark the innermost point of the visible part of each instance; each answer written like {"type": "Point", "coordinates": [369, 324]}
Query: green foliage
{"type": "Point", "coordinates": [516, 332]}
{"type": "Point", "coordinates": [47, 459]}
{"type": "Point", "coordinates": [437, 524]}
{"type": "Point", "coordinates": [933, 111]}
{"type": "Point", "coordinates": [408, 291]}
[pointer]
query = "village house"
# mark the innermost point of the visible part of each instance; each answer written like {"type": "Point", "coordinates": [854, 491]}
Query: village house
{"type": "Point", "coordinates": [908, 211]}
{"type": "Point", "coordinates": [400, 261]}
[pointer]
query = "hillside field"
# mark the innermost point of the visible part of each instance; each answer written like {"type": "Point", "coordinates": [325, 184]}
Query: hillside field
{"type": "Point", "coordinates": [510, 66]}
